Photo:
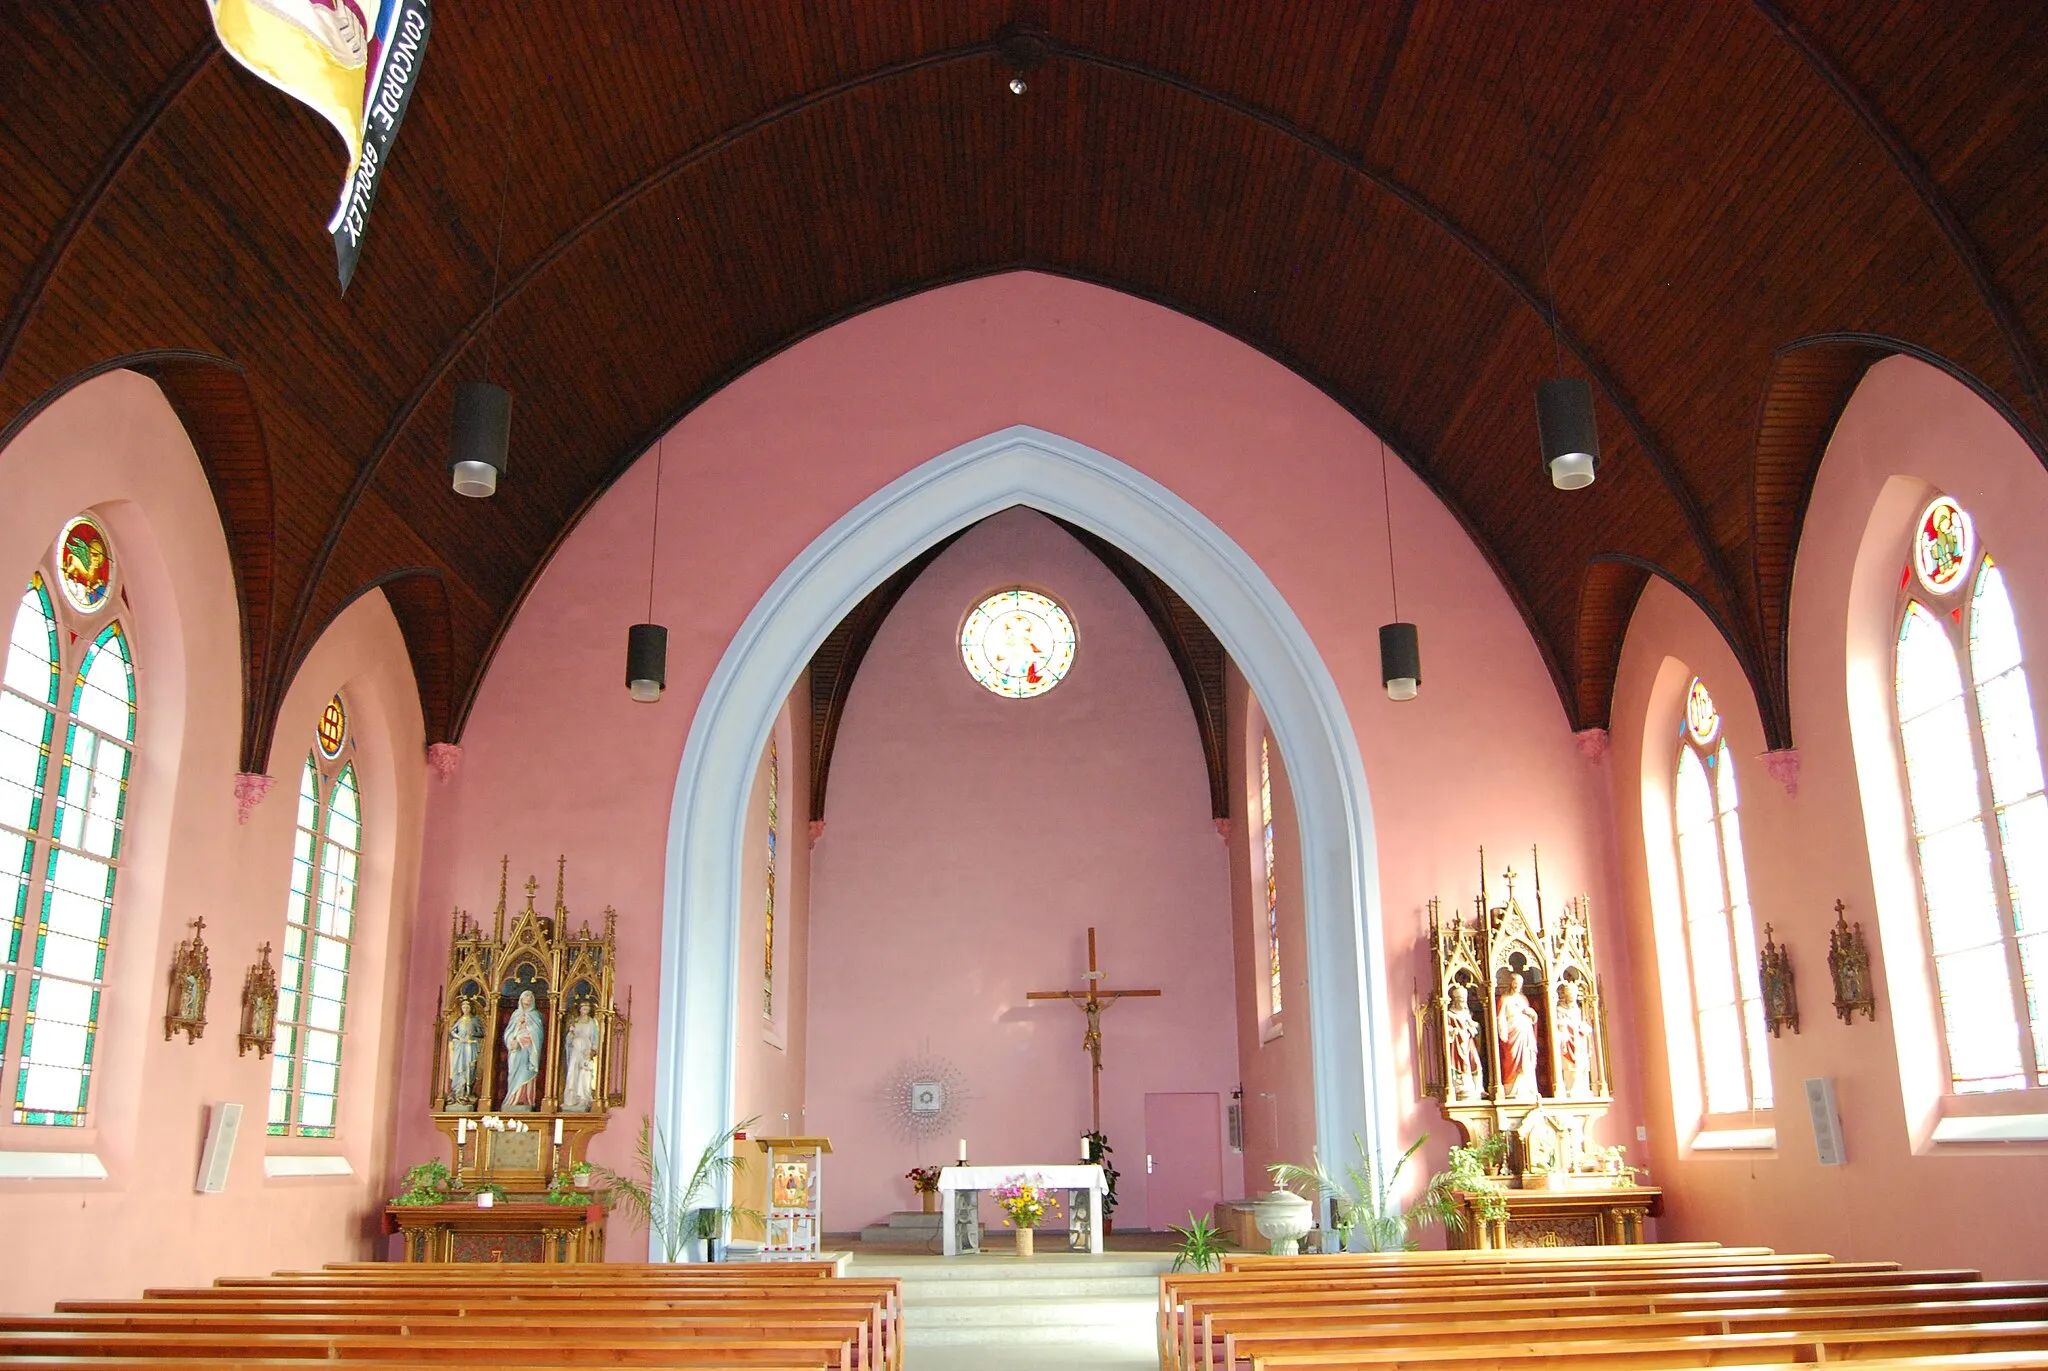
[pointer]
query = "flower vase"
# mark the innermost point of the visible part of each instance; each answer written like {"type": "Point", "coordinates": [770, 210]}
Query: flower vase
{"type": "Point", "coordinates": [1024, 1241]}
{"type": "Point", "coordinates": [930, 1200]}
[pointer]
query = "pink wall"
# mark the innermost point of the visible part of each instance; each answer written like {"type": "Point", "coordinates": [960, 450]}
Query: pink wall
{"type": "Point", "coordinates": [754, 474]}
{"type": "Point", "coordinates": [970, 842]}
{"type": "Point", "coordinates": [114, 445]}
{"type": "Point", "coordinates": [1909, 430]}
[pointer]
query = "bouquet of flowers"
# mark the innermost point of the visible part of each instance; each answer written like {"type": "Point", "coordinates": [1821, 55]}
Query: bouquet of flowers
{"type": "Point", "coordinates": [923, 1179]}
{"type": "Point", "coordinates": [1025, 1201]}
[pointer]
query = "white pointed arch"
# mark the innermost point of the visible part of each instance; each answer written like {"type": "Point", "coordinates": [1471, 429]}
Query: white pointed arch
{"type": "Point", "coordinates": [1021, 465]}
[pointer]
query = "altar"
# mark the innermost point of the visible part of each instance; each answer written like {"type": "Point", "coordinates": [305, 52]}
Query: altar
{"type": "Point", "coordinates": [960, 1190]}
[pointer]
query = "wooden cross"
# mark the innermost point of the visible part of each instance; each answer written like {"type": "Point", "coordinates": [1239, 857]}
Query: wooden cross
{"type": "Point", "coordinates": [1092, 1002]}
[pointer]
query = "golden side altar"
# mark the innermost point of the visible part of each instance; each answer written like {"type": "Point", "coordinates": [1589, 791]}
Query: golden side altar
{"type": "Point", "coordinates": [1511, 1041]}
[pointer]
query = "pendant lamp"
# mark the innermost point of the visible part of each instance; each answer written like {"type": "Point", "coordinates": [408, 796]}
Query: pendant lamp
{"type": "Point", "coordinates": [1400, 644]}
{"type": "Point", "coordinates": [647, 644]}
{"type": "Point", "coordinates": [1564, 404]}
{"type": "Point", "coordinates": [482, 436]}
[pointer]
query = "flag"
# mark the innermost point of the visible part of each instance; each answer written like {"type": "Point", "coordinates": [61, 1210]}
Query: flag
{"type": "Point", "coordinates": [354, 63]}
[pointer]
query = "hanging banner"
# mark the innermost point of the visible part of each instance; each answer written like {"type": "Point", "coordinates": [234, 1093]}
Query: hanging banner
{"type": "Point", "coordinates": [354, 63]}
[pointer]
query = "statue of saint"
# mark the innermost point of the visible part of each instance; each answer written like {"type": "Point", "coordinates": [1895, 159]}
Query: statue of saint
{"type": "Point", "coordinates": [1515, 1028]}
{"type": "Point", "coordinates": [524, 1035]}
{"type": "Point", "coordinates": [579, 1062]}
{"type": "Point", "coordinates": [1463, 1034]}
{"type": "Point", "coordinates": [465, 1040]}
{"type": "Point", "coordinates": [1574, 1041]}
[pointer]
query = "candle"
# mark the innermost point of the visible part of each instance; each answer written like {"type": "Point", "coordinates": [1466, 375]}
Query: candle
{"type": "Point", "coordinates": [963, 1151]}
{"type": "Point", "coordinates": [558, 1132]}
{"type": "Point", "coordinates": [1084, 1147]}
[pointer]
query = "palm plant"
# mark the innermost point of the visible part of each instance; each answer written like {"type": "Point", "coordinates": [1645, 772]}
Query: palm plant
{"type": "Point", "coordinates": [1363, 1198]}
{"type": "Point", "coordinates": [673, 1209]}
{"type": "Point", "coordinates": [1201, 1246]}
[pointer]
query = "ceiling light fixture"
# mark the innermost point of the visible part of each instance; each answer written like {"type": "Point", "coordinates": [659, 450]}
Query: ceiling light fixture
{"type": "Point", "coordinates": [481, 440]}
{"type": "Point", "coordinates": [1023, 46]}
{"type": "Point", "coordinates": [1400, 644]}
{"type": "Point", "coordinates": [647, 644]}
{"type": "Point", "coordinates": [1565, 431]}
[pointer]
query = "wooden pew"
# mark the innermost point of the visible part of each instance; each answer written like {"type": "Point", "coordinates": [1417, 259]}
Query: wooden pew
{"type": "Point", "coordinates": [1184, 1297]}
{"type": "Point", "coordinates": [652, 1347]}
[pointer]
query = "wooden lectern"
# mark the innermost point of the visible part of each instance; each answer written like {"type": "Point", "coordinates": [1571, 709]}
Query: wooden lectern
{"type": "Point", "coordinates": [795, 1214]}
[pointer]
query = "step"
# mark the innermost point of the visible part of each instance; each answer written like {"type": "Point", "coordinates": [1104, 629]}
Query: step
{"type": "Point", "coordinates": [1006, 1267]}
{"type": "Point", "coordinates": [986, 1322]}
{"type": "Point", "coordinates": [930, 1294]}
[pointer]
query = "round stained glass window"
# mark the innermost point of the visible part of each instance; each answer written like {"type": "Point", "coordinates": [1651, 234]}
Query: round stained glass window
{"type": "Point", "coordinates": [1017, 643]}
{"type": "Point", "coordinates": [333, 728]}
{"type": "Point", "coordinates": [85, 564]}
{"type": "Point", "coordinates": [1702, 720]}
{"type": "Point", "coordinates": [1943, 545]}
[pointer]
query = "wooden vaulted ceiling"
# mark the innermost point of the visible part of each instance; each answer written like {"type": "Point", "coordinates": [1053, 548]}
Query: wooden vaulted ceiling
{"type": "Point", "coordinates": [1748, 201]}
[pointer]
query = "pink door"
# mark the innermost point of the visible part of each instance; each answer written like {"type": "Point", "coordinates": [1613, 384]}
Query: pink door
{"type": "Point", "coordinates": [1184, 1153]}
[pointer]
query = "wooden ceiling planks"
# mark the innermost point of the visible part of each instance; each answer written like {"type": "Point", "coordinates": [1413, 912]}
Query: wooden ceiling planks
{"type": "Point", "coordinates": [1345, 187]}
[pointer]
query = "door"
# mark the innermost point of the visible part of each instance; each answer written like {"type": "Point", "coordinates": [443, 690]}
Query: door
{"type": "Point", "coordinates": [1184, 1157]}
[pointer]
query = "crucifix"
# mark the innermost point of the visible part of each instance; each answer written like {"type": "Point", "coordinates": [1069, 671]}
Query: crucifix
{"type": "Point", "coordinates": [1092, 1002]}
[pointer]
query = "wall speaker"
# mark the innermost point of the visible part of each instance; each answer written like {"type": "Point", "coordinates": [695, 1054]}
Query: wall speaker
{"type": "Point", "coordinates": [1827, 1121]}
{"type": "Point", "coordinates": [221, 1128]}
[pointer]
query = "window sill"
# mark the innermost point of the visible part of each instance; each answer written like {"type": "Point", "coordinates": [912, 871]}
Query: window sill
{"type": "Point", "coordinates": [51, 1166]}
{"type": "Point", "coordinates": [1735, 1140]}
{"type": "Point", "coordinates": [1270, 1030]}
{"type": "Point", "coordinates": [1992, 1128]}
{"type": "Point", "coordinates": [306, 1164]}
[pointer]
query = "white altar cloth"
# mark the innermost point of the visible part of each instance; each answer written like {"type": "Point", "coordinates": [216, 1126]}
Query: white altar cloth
{"type": "Point", "coordinates": [1070, 1176]}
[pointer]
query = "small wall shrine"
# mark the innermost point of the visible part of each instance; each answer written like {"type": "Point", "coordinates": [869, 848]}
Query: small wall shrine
{"type": "Point", "coordinates": [1512, 1036]}
{"type": "Point", "coordinates": [527, 1033]}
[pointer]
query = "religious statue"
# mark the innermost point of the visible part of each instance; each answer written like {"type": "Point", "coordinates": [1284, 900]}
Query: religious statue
{"type": "Point", "coordinates": [579, 1062]}
{"type": "Point", "coordinates": [1574, 1041]}
{"type": "Point", "coordinates": [465, 1041]}
{"type": "Point", "coordinates": [259, 1007]}
{"type": "Point", "coordinates": [525, 1035]}
{"type": "Point", "coordinates": [191, 978]}
{"type": "Point", "coordinates": [1515, 1029]}
{"type": "Point", "coordinates": [1467, 1079]}
{"type": "Point", "coordinates": [1849, 964]}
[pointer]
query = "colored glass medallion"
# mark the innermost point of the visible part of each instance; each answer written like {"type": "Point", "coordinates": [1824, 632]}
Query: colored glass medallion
{"type": "Point", "coordinates": [1702, 720]}
{"type": "Point", "coordinates": [333, 728]}
{"type": "Point", "coordinates": [85, 564]}
{"type": "Point", "coordinates": [1017, 643]}
{"type": "Point", "coordinates": [1944, 546]}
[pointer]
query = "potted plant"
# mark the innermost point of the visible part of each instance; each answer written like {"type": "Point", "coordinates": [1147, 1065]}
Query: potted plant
{"type": "Point", "coordinates": [677, 1210]}
{"type": "Point", "coordinates": [1201, 1245]}
{"type": "Point", "coordinates": [489, 1193]}
{"type": "Point", "coordinates": [427, 1183]}
{"type": "Point", "coordinates": [1025, 1203]}
{"type": "Point", "coordinates": [573, 1187]}
{"type": "Point", "coordinates": [925, 1181]}
{"type": "Point", "coordinates": [1362, 1199]}
{"type": "Point", "coordinates": [1473, 1176]}
{"type": "Point", "coordinates": [1098, 1153]}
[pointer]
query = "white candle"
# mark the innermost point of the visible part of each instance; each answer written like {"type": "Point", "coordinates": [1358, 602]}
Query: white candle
{"type": "Point", "coordinates": [461, 1131]}
{"type": "Point", "coordinates": [963, 1151]}
{"type": "Point", "coordinates": [558, 1132]}
{"type": "Point", "coordinates": [1084, 1147]}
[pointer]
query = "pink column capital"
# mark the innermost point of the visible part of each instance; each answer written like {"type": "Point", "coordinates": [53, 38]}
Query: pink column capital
{"type": "Point", "coordinates": [443, 759]}
{"type": "Point", "coordinates": [250, 788]}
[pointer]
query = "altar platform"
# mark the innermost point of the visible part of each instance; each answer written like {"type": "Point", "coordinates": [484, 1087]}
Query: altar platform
{"type": "Point", "coordinates": [960, 1190]}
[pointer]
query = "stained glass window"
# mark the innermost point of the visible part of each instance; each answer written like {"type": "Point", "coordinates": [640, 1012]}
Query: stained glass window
{"type": "Point", "coordinates": [333, 728]}
{"type": "Point", "coordinates": [60, 844]}
{"type": "Point", "coordinates": [319, 940]}
{"type": "Point", "coordinates": [1272, 875]}
{"type": "Point", "coordinates": [1017, 643]}
{"type": "Point", "coordinates": [1720, 930]}
{"type": "Point", "coordinates": [1980, 818]}
{"type": "Point", "coordinates": [768, 935]}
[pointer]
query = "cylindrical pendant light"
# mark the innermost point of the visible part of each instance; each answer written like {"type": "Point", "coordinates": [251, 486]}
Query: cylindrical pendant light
{"type": "Point", "coordinates": [646, 662]}
{"type": "Point", "coordinates": [1400, 645]}
{"type": "Point", "coordinates": [1400, 660]}
{"type": "Point", "coordinates": [1564, 426]}
{"type": "Point", "coordinates": [481, 439]}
